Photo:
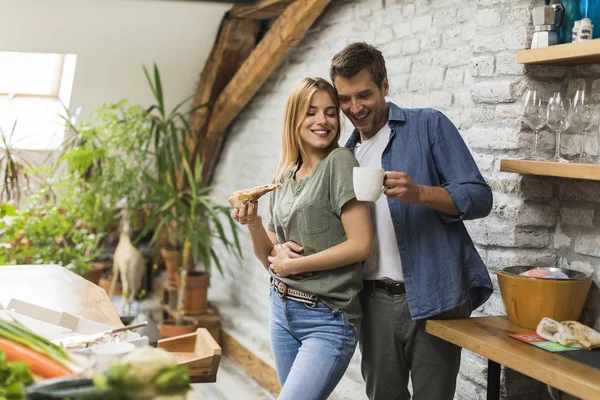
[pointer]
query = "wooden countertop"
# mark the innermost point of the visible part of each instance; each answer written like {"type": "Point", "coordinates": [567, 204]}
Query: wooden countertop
{"type": "Point", "coordinates": [59, 289]}
{"type": "Point", "coordinates": [488, 336]}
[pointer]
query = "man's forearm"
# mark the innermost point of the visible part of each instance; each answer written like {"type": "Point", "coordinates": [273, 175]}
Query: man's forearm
{"type": "Point", "coordinates": [340, 255]}
{"type": "Point", "coordinates": [437, 198]}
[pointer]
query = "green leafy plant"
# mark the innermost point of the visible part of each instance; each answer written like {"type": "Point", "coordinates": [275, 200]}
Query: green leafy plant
{"type": "Point", "coordinates": [169, 134]}
{"type": "Point", "coordinates": [56, 227]}
{"type": "Point", "coordinates": [110, 152]}
{"type": "Point", "coordinates": [196, 216]}
{"type": "Point", "coordinates": [14, 376]}
{"type": "Point", "coordinates": [14, 167]}
{"type": "Point", "coordinates": [194, 223]}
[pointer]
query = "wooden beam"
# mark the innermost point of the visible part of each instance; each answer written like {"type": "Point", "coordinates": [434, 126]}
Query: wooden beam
{"type": "Point", "coordinates": [285, 33]}
{"type": "Point", "coordinates": [267, 9]}
{"type": "Point", "coordinates": [235, 41]}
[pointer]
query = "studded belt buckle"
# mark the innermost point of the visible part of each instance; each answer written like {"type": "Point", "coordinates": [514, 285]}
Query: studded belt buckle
{"type": "Point", "coordinates": [281, 289]}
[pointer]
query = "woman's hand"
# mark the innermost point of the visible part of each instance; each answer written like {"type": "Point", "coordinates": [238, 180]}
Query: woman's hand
{"type": "Point", "coordinates": [247, 214]}
{"type": "Point", "coordinates": [279, 262]}
{"type": "Point", "coordinates": [293, 250]}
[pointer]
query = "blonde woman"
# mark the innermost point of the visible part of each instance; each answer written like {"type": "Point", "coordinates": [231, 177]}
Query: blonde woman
{"type": "Point", "coordinates": [314, 297]}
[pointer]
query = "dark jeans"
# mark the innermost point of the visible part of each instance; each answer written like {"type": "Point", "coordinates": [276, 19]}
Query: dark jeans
{"type": "Point", "coordinates": [394, 346]}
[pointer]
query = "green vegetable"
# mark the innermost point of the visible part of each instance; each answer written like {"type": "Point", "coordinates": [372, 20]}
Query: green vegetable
{"type": "Point", "coordinates": [18, 333]}
{"type": "Point", "coordinates": [68, 388]}
{"type": "Point", "coordinates": [172, 380]}
{"type": "Point", "coordinates": [145, 373]}
{"type": "Point", "coordinates": [14, 376]}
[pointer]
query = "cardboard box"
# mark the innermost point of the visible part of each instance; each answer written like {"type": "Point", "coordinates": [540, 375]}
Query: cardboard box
{"type": "Point", "coordinates": [57, 326]}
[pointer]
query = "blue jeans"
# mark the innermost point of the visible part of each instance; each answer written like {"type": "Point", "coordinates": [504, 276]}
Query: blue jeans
{"type": "Point", "coordinates": [312, 347]}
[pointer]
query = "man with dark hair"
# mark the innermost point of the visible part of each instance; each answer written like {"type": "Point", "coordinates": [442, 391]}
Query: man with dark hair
{"type": "Point", "coordinates": [425, 265]}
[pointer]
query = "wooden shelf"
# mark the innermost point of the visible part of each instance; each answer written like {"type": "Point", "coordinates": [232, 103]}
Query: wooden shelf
{"type": "Point", "coordinates": [586, 52]}
{"type": "Point", "coordinates": [547, 168]}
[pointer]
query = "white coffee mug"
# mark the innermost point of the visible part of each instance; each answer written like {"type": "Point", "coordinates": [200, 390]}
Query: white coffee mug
{"type": "Point", "coordinates": [368, 183]}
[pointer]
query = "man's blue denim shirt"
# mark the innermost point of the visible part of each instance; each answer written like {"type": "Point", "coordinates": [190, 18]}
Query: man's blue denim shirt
{"type": "Point", "coordinates": [439, 261]}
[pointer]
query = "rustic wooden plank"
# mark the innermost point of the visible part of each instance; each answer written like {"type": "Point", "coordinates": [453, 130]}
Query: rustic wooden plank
{"type": "Point", "coordinates": [285, 33]}
{"type": "Point", "coordinates": [235, 41]}
{"type": "Point", "coordinates": [585, 52]}
{"type": "Point", "coordinates": [254, 366]}
{"type": "Point", "coordinates": [488, 337]}
{"type": "Point", "coordinates": [267, 9]}
{"type": "Point", "coordinates": [547, 168]}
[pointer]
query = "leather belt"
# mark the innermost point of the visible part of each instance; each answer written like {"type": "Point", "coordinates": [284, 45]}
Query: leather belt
{"type": "Point", "coordinates": [284, 291]}
{"type": "Point", "coordinates": [393, 288]}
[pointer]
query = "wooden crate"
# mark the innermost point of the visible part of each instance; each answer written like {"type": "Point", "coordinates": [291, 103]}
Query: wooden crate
{"type": "Point", "coordinates": [198, 351]}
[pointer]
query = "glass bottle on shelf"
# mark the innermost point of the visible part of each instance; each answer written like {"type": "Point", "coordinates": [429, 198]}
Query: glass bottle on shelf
{"type": "Point", "coordinates": [591, 9]}
{"type": "Point", "coordinates": [572, 14]}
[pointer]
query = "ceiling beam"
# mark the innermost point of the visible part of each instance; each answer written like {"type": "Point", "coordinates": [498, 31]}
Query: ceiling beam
{"type": "Point", "coordinates": [235, 41]}
{"type": "Point", "coordinates": [267, 9]}
{"type": "Point", "coordinates": [284, 34]}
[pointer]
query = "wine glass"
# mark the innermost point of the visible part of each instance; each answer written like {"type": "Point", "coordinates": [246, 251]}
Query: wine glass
{"type": "Point", "coordinates": [584, 117]}
{"type": "Point", "coordinates": [558, 120]}
{"type": "Point", "coordinates": [534, 115]}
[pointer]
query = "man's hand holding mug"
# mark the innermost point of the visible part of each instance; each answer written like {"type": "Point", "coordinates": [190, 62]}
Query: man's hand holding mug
{"type": "Point", "coordinates": [370, 183]}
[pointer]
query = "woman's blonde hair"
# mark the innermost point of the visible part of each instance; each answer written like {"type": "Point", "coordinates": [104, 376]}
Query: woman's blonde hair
{"type": "Point", "coordinates": [295, 111]}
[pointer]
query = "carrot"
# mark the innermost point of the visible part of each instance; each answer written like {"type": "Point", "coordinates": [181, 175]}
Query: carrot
{"type": "Point", "coordinates": [38, 363]}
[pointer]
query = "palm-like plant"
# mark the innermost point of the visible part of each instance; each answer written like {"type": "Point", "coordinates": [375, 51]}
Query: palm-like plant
{"type": "Point", "coordinates": [182, 205]}
{"type": "Point", "coordinates": [198, 219]}
{"type": "Point", "coordinates": [14, 168]}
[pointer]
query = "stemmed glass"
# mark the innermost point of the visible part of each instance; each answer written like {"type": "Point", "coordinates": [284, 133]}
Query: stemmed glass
{"type": "Point", "coordinates": [584, 117]}
{"type": "Point", "coordinates": [534, 115]}
{"type": "Point", "coordinates": [558, 120]}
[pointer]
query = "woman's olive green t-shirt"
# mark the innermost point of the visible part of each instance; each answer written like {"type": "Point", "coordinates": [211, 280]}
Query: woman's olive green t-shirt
{"type": "Point", "coordinates": [308, 212]}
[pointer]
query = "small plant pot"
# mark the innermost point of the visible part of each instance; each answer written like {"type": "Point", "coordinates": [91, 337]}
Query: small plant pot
{"type": "Point", "coordinates": [172, 264]}
{"type": "Point", "coordinates": [95, 272]}
{"type": "Point", "coordinates": [196, 291]}
{"type": "Point", "coordinates": [105, 284]}
{"type": "Point", "coordinates": [169, 328]}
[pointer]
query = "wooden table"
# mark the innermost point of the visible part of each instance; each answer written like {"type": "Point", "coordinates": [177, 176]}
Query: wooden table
{"type": "Point", "coordinates": [487, 336]}
{"type": "Point", "coordinates": [59, 289]}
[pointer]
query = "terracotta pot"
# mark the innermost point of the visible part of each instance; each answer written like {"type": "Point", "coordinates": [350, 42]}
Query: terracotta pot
{"type": "Point", "coordinates": [105, 284]}
{"type": "Point", "coordinates": [196, 291]}
{"type": "Point", "coordinates": [169, 329]}
{"type": "Point", "coordinates": [95, 272]}
{"type": "Point", "coordinates": [171, 258]}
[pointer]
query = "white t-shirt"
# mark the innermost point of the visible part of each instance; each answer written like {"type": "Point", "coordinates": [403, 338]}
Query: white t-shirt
{"type": "Point", "coordinates": [385, 263]}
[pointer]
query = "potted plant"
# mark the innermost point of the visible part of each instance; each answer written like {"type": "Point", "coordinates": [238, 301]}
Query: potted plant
{"type": "Point", "coordinates": [14, 167]}
{"type": "Point", "coordinates": [109, 152]}
{"type": "Point", "coordinates": [49, 231]}
{"type": "Point", "coordinates": [184, 213]}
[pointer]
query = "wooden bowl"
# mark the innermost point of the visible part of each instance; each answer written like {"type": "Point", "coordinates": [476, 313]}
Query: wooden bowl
{"type": "Point", "coordinates": [528, 300]}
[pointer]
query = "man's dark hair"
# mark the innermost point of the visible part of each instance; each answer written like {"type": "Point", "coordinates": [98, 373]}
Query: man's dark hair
{"type": "Point", "coordinates": [354, 58]}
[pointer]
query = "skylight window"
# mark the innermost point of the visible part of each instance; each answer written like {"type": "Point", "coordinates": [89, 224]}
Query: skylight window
{"type": "Point", "coordinates": [33, 89]}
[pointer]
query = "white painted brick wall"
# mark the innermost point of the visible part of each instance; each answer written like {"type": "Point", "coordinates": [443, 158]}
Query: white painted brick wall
{"type": "Point", "coordinates": [457, 56]}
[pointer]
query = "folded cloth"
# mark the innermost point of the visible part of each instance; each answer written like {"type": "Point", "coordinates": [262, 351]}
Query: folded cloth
{"type": "Point", "coordinates": [569, 333]}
